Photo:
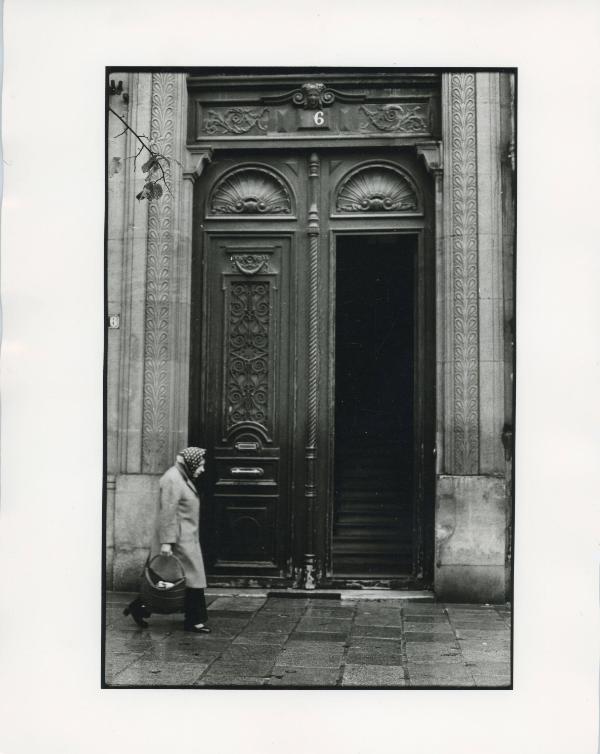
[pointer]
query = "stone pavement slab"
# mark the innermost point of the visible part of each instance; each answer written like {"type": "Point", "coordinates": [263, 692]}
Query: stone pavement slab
{"type": "Point", "coordinates": [310, 655]}
{"type": "Point", "coordinates": [490, 673]}
{"type": "Point", "coordinates": [374, 676]}
{"type": "Point", "coordinates": [319, 636]}
{"type": "Point", "coordinates": [261, 637]}
{"type": "Point", "coordinates": [231, 680]}
{"type": "Point", "coordinates": [260, 642]}
{"type": "Point", "coordinates": [290, 676]}
{"type": "Point", "coordinates": [379, 619]}
{"type": "Point", "coordinates": [371, 656]}
{"type": "Point", "coordinates": [381, 632]}
{"type": "Point", "coordinates": [152, 673]}
{"type": "Point", "coordinates": [443, 675]}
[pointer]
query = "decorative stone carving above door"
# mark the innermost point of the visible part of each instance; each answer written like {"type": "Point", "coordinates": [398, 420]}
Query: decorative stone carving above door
{"type": "Point", "coordinates": [398, 118]}
{"type": "Point", "coordinates": [281, 108]}
{"type": "Point", "coordinates": [376, 188]}
{"type": "Point", "coordinates": [236, 120]}
{"type": "Point", "coordinates": [250, 191]}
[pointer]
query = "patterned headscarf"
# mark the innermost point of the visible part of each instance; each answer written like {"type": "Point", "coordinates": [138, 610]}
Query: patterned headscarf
{"type": "Point", "coordinates": [192, 458]}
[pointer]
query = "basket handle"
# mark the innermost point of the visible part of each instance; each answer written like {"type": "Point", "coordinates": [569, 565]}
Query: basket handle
{"type": "Point", "coordinates": [172, 556]}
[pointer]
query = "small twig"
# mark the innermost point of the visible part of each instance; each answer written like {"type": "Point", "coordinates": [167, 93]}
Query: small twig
{"type": "Point", "coordinates": [156, 155]}
{"type": "Point", "coordinates": [129, 128]}
{"type": "Point", "coordinates": [136, 156]}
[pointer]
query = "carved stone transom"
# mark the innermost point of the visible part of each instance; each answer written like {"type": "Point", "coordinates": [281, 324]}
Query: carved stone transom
{"type": "Point", "coordinates": [250, 191]}
{"type": "Point", "coordinates": [376, 188]}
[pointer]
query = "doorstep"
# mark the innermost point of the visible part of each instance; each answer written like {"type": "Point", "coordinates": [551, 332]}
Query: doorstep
{"type": "Point", "coordinates": [331, 594]}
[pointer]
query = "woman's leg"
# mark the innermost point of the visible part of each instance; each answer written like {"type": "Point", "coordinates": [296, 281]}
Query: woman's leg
{"type": "Point", "coordinates": [194, 607]}
{"type": "Point", "coordinates": [138, 612]}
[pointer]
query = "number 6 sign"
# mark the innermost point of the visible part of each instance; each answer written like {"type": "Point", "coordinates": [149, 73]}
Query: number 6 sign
{"type": "Point", "coordinates": [319, 118]}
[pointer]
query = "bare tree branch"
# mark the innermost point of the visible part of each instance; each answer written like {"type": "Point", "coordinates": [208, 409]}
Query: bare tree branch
{"type": "Point", "coordinates": [155, 155]}
{"type": "Point", "coordinates": [129, 128]}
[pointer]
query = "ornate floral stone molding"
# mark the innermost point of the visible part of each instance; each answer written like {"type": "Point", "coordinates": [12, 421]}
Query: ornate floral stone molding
{"type": "Point", "coordinates": [461, 255]}
{"type": "Point", "coordinates": [235, 120]}
{"type": "Point", "coordinates": [155, 417]}
{"type": "Point", "coordinates": [401, 118]}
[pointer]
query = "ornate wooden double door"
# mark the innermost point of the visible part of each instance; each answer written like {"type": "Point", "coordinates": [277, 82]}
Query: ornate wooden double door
{"type": "Point", "coordinates": [312, 365]}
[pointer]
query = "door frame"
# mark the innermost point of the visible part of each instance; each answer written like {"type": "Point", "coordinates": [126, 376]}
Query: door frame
{"type": "Point", "coordinates": [418, 379]}
{"type": "Point", "coordinates": [423, 401]}
{"type": "Point", "coordinates": [331, 227]}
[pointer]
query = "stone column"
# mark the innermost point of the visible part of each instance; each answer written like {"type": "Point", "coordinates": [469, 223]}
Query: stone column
{"type": "Point", "coordinates": [471, 501]}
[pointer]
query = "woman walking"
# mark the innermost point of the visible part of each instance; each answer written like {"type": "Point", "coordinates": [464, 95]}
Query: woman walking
{"type": "Point", "coordinates": [176, 532]}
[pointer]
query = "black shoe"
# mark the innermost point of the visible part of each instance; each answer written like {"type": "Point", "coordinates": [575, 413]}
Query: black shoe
{"type": "Point", "coordinates": [196, 629]}
{"type": "Point", "coordinates": [138, 612]}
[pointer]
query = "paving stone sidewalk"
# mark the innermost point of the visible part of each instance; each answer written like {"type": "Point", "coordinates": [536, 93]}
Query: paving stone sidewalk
{"type": "Point", "coordinates": [304, 643]}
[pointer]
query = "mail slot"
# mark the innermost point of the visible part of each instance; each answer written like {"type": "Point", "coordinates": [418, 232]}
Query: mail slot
{"type": "Point", "coordinates": [247, 471]}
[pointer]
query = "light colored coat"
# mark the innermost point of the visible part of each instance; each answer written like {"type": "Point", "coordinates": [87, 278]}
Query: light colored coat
{"type": "Point", "coordinates": [178, 523]}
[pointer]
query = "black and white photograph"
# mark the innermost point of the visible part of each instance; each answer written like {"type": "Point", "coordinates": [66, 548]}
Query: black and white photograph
{"type": "Point", "coordinates": [298, 377]}
{"type": "Point", "coordinates": [310, 377]}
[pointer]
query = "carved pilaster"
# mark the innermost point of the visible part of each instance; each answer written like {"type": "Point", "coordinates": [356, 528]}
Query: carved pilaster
{"type": "Point", "coordinates": [461, 314]}
{"type": "Point", "coordinates": [155, 421]}
{"type": "Point", "coordinates": [490, 288]}
{"type": "Point", "coordinates": [313, 366]}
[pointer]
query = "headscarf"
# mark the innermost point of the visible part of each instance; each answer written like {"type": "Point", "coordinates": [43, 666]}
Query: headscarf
{"type": "Point", "coordinates": [191, 458]}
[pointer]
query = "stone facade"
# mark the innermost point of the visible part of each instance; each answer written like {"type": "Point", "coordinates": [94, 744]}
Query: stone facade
{"type": "Point", "coordinates": [149, 247]}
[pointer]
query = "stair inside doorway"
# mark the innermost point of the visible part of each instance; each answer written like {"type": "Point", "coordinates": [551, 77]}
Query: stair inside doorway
{"type": "Point", "coordinates": [372, 533]}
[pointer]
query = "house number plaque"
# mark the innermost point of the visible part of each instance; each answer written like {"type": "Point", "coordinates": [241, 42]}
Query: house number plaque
{"type": "Point", "coordinates": [313, 119]}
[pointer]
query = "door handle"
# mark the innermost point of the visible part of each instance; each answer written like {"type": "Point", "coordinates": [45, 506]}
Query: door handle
{"type": "Point", "coordinates": [248, 471]}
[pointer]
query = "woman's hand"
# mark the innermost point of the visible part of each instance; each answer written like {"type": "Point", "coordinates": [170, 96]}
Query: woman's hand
{"type": "Point", "coordinates": [166, 549]}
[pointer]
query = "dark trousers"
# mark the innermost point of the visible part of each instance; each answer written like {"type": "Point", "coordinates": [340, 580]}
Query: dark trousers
{"type": "Point", "coordinates": [195, 607]}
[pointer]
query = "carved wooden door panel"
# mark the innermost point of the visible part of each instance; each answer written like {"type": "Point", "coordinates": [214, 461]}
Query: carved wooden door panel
{"type": "Point", "coordinates": [246, 413]}
{"type": "Point", "coordinates": [244, 349]}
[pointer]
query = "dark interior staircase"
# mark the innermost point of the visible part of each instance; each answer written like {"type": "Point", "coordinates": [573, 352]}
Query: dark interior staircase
{"type": "Point", "coordinates": [373, 507]}
{"type": "Point", "coordinates": [372, 532]}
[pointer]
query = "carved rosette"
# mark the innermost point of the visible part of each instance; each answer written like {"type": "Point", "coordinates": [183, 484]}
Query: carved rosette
{"type": "Point", "coordinates": [461, 164]}
{"type": "Point", "coordinates": [378, 188]}
{"type": "Point", "coordinates": [250, 191]}
{"type": "Point", "coordinates": [160, 240]}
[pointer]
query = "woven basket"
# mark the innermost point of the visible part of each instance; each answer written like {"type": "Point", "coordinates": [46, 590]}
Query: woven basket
{"type": "Point", "coordinates": [161, 599]}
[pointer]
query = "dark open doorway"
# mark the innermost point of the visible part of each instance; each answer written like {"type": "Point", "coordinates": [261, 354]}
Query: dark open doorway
{"type": "Point", "coordinates": [374, 503]}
